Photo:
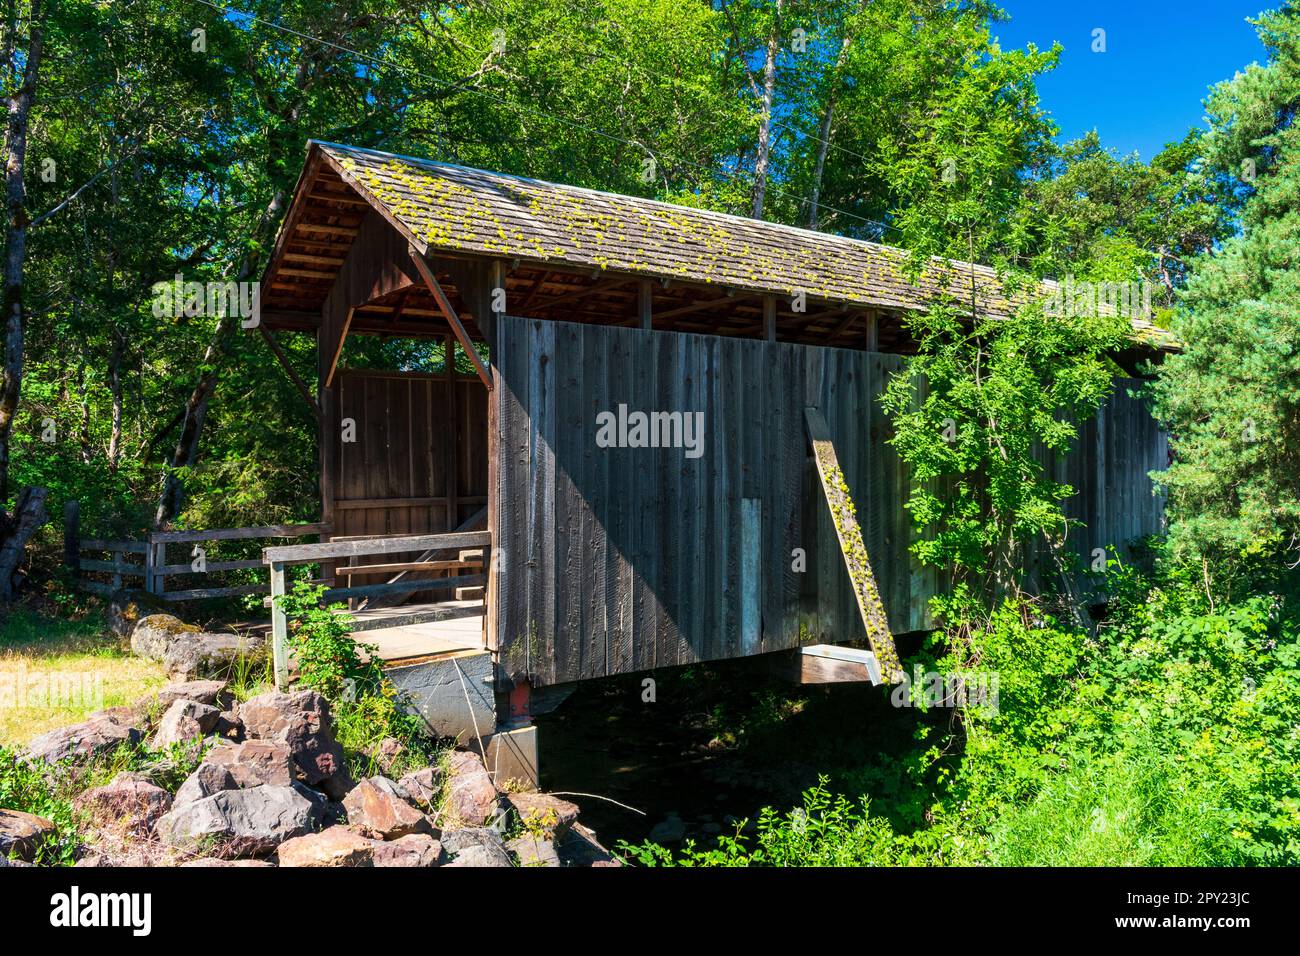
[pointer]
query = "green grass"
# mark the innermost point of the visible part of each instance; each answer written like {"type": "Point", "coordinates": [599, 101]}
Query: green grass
{"type": "Point", "coordinates": [1130, 810]}
{"type": "Point", "coordinates": [55, 671]}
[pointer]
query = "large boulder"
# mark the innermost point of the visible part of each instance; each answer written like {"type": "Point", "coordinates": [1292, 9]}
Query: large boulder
{"type": "Point", "coordinates": [416, 850]}
{"type": "Point", "coordinates": [542, 813]}
{"type": "Point", "coordinates": [235, 823]}
{"type": "Point", "coordinates": [99, 734]}
{"type": "Point", "coordinates": [21, 834]}
{"type": "Point", "coordinates": [185, 721]}
{"type": "Point", "coordinates": [475, 846]}
{"type": "Point", "coordinates": [302, 721]}
{"type": "Point", "coordinates": [470, 794]}
{"type": "Point", "coordinates": [336, 846]}
{"type": "Point", "coordinates": [193, 656]}
{"type": "Point", "coordinates": [129, 802]}
{"type": "Point", "coordinates": [153, 635]}
{"type": "Point", "coordinates": [253, 763]}
{"type": "Point", "coordinates": [380, 806]}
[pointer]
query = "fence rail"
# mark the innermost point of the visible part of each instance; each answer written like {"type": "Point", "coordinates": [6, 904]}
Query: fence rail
{"type": "Point", "coordinates": [144, 562]}
{"type": "Point", "coordinates": [280, 558]}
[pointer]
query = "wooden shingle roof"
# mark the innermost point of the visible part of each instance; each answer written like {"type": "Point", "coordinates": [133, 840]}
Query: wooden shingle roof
{"type": "Point", "coordinates": [443, 207]}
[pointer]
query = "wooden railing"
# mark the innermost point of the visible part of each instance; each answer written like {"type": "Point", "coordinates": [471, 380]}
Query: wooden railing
{"type": "Point", "coordinates": [429, 545]}
{"type": "Point", "coordinates": [144, 562]}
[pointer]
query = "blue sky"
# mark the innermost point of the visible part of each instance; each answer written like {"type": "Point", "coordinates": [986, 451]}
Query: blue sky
{"type": "Point", "coordinates": [1161, 58]}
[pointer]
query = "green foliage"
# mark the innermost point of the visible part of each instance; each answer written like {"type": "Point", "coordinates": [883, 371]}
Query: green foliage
{"type": "Point", "coordinates": [1230, 399]}
{"type": "Point", "coordinates": [828, 830]}
{"type": "Point", "coordinates": [992, 396]}
{"type": "Point", "coordinates": [366, 707]}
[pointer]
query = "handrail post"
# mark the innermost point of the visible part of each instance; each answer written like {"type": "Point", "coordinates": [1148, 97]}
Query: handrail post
{"type": "Point", "coordinates": [72, 538]}
{"type": "Point", "coordinates": [279, 628]}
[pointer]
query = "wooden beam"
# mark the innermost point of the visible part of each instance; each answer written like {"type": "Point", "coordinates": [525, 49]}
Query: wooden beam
{"type": "Point", "coordinates": [645, 293]}
{"type": "Point", "coordinates": [769, 318]}
{"type": "Point", "coordinates": [374, 267]}
{"type": "Point", "coordinates": [872, 342]}
{"type": "Point", "coordinates": [728, 300]}
{"type": "Point", "coordinates": [852, 547]}
{"type": "Point", "coordinates": [305, 392]}
{"type": "Point", "coordinates": [450, 315]}
{"type": "Point", "coordinates": [582, 293]}
{"type": "Point", "coordinates": [832, 664]}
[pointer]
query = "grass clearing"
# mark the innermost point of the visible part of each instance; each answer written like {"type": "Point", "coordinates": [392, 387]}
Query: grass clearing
{"type": "Point", "coordinates": [55, 672]}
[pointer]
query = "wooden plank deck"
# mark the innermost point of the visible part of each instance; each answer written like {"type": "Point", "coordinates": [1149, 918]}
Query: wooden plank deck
{"type": "Point", "coordinates": [397, 638]}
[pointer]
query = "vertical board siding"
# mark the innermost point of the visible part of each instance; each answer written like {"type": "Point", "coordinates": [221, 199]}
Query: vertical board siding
{"type": "Point", "coordinates": [616, 560]}
{"type": "Point", "coordinates": [415, 459]}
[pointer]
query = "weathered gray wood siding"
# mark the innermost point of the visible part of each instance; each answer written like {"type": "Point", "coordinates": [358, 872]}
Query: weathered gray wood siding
{"type": "Point", "coordinates": [615, 560]}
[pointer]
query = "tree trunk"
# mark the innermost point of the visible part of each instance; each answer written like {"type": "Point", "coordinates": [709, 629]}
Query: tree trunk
{"type": "Point", "coordinates": [115, 388]}
{"type": "Point", "coordinates": [29, 512]}
{"type": "Point", "coordinates": [828, 118]}
{"type": "Point", "coordinates": [765, 116]}
{"type": "Point", "coordinates": [20, 107]}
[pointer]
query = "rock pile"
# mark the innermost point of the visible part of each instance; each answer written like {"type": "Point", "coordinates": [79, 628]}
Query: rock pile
{"type": "Point", "coordinates": [272, 786]}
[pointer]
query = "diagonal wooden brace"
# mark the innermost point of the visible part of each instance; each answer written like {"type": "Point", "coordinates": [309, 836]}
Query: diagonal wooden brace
{"type": "Point", "coordinates": [852, 547]}
{"type": "Point", "coordinates": [450, 314]}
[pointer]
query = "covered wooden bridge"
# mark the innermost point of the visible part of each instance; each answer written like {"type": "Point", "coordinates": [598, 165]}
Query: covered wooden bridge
{"type": "Point", "coordinates": [617, 459]}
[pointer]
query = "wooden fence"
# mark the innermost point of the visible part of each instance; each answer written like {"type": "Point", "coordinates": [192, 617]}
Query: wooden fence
{"type": "Point", "coordinates": [144, 563]}
{"type": "Point", "coordinates": [278, 559]}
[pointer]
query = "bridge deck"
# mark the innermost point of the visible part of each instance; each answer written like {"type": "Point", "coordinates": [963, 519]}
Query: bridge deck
{"type": "Point", "coordinates": [400, 636]}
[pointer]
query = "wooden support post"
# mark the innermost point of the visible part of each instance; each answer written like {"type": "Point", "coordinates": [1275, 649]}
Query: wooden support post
{"type": "Point", "coordinates": [156, 558]}
{"type": "Point", "coordinates": [769, 318]}
{"type": "Point", "coordinates": [872, 343]}
{"type": "Point", "coordinates": [644, 300]}
{"type": "Point", "coordinates": [279, 629]}
{"type": "Point", "coordinates": [72, 538]}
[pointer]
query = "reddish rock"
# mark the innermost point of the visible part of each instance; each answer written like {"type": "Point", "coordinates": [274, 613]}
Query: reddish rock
{"type": "Point", "coordinates": [21, 834]}
{"type": "Point", "coordinates": [302, 721]}
{"type": "Point", "coordinates": [336, 846]}
{"type": "Point", "coordinates": [470, 793]}
{"type": "Point", "coordinates": [423, 786]}
{"type": "Point", "coordinates": [211, 692]}
{"type": "Point", "coordinates": [533, 851]}
{"type": "Point", "coordinates": [380, 806]}
{"type": "Point", "coordinates": [543, 813]}
{"type": "Point", "coordinates": [185, 721]}
{"type": "Point", "coordinates": [130, 802]}
{"type": "Point", "coordinates": [255, 762]}
{"type": "Point", "coordinates": [416, 850]}
{"type": "Point", "coordinates": [99, 734]}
